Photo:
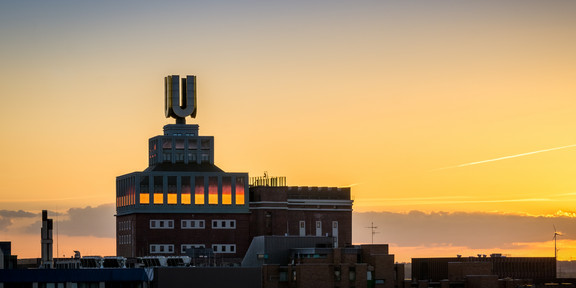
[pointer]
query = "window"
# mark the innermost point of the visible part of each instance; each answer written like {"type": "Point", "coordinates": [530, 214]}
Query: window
{"type": "Point", "coordinates": [224, 248]}
{"type": "Point", "coordinates": [158, 198]}
{"type": "Point", "coordinates": [185, 247]}
{"type": "Point", "coordinates": [199, 191]}
{"type": "Point", "coordinates": [144, 198]}
{"type": "Point", "coordinates": [337, 274]}
{"type": "Point", "coordinates": [192, 144]}
{"type": "Point", "coordinates": [352, 273]}
{"type": "Point", "coordinates": [213, 190]}
{"type": "Point", "coordinates": [240, 191]}
{"type": "Point", "coordinates": [185, 191]}
{"type": "Point", "coordinates": [172, 198]}
{"type": "Point", "coordinates": [179, 143]}
{"type": "Point", "coordinates": [205, 144]}
{"type": "Point", "coordinates": [162, 248]}
{"type": "Point", "coordinates": [161, 224]}
{"type": "Point", "coordinates": [223, 224]}
{"type": "Point", "coordinates": [192, 224]}
{"type": "Point", "coordinates": [283, 275]}
{"type": "Point", "coordinates": [226, 190]}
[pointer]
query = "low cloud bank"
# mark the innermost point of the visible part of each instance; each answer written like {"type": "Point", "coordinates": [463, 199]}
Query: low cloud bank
{"type": "Point", "coordinates": [7, 217]}
{"type": "Point", "coordinates": [473, 230]}
{"type": "Point", "coordinates": [88, 221]}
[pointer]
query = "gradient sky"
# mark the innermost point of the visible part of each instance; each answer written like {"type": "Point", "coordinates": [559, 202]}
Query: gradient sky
{"type": "Point", "coordinates": [405, 101]}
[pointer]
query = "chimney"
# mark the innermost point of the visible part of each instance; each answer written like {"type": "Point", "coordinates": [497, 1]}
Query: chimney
{"type": "Point", "coordinates": [46, 233]}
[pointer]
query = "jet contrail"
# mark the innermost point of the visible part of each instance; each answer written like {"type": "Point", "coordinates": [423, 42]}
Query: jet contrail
{"type": "Point", "coordinates": [505, 157]}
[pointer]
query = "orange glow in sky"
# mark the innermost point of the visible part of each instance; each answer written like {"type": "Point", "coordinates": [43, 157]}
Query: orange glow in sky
{"type": "Point", "coordinates": [422, 106]}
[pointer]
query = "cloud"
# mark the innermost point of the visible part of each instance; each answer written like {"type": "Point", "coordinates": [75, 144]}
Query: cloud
{"type": "Point", "coordinates": [88, 221]}
{"type": "Point", "coordinates": [472, 230]}
{"type": "Point", "coordinates": [7, 217]}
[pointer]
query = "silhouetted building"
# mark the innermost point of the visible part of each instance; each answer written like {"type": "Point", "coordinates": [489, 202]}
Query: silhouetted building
{"type": "Point", "coordinates": [293, 261]}
{"type": "Point", "coordinates": [302, 211]}
{"type": "Point", "coordinates": [459, 268]}
{"type": "Point", "coordinates": [7, 260]}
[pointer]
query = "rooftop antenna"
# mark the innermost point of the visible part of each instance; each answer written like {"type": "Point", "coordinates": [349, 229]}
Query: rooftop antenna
{"type": "Point", "coordinates": [555, 249]}
{"type": "Point", "coordinates": [373, 230]}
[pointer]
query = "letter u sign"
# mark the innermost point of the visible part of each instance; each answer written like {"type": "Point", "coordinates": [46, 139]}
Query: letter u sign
{"type": "Point", "coordinates": [174, 108]}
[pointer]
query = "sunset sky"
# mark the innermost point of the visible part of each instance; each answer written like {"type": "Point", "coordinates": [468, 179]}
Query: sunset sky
{"type": "Point", "coordinates": [434, 112]}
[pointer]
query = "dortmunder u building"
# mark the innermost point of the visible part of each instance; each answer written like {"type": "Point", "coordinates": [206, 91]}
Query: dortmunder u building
{"type": "Point", "coordinates": [170, 206]}
{"type": "Point", "coordinates": [182, 200]}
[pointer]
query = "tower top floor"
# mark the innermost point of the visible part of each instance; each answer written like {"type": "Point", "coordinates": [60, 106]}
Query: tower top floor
{"type": "Point", "coordinates": [181, 145]}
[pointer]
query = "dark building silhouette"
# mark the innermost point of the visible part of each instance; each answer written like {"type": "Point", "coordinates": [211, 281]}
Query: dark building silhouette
{"type": "Point", "coordinates": [459, 269]}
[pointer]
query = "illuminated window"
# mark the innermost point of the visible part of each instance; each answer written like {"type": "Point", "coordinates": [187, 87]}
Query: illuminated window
{"type": "Point", "coordinates": [213, 190]}
{"type": "Point", "coordinates": [144, 198]}
{"type": "Point", "coordinates": [226, 190]}
{"type": "Point", "coordinates": [172, 198]}
{"type": "Point", "coordinates": [158, 190]}
{"type": "Point", "coordinates": [158, 198]}
{"type": "Point", "coordinates": [185, 198]}
{"type": "Point", "coordinates": [185, 191]}
{"type": "Point", "coordinates": [239, 191]}
{"type": "Point", "coordinates": [199, 191]}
